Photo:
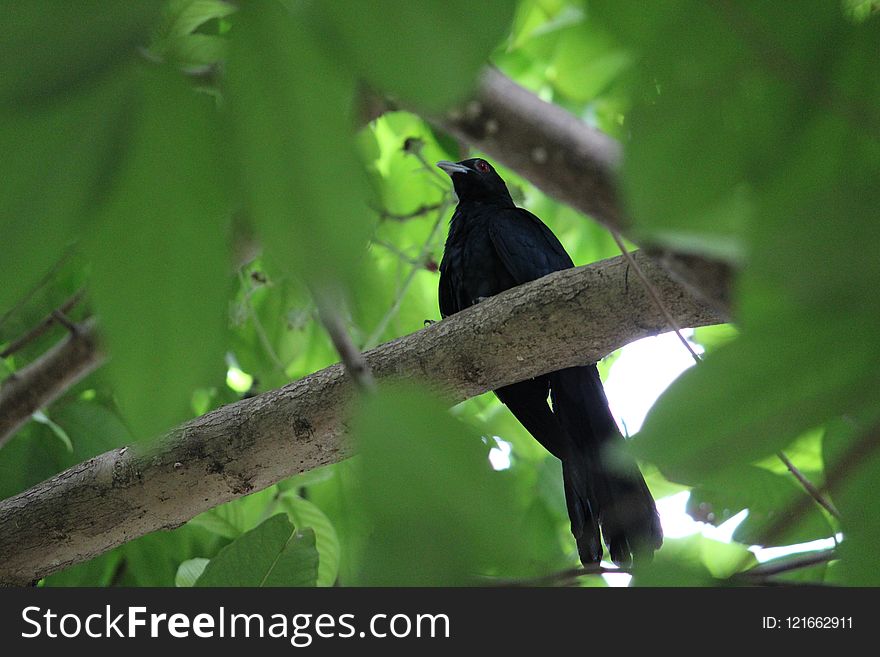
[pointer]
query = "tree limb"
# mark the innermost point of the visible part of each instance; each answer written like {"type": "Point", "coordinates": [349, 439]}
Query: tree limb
{"type": "Point", "coordinates": [40, 383]}
{"type": "Point", "coordinates": [568, 318]}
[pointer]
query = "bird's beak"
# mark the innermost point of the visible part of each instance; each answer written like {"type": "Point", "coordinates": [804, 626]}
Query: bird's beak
{"type": "Point", "coordinates": [452, 167]}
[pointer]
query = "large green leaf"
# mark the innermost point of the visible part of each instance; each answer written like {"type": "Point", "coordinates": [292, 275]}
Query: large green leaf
{"type": "Point", "coordinates": [272, 554]}
{"type": "Point", "coordinates": [289, 111]}
{"type": "Point", "coordinates": [58, 159]}
{"type": "Point", "coordinates": [851, 450]}
{"type": "Point", "coordinates": [432, 509]}
{"type": "Point", "coordinates": [160, 256]}
{"type": "Point", "coordinates": [54, 47]}
{"type": "Point", "coordinates": [443, 42]}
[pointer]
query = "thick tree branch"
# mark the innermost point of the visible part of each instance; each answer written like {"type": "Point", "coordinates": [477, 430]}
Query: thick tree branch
{"type": "Point", "coordinates": [40, 383]}
{"type": "Point", "coordinates": [570, 317]}
{"type": "Point", "coordinates": [566, 158]}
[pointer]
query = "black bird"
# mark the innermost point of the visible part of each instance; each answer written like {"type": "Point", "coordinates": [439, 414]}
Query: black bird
{"type": "Point", "coordinates": [493, 246]}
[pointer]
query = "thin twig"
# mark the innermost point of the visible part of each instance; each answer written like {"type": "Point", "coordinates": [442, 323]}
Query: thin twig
{"type": "Point", "coordinates": [808, 486]}
{"type": "Point", "coordinates": [258, 325]}
{"type": "Point", "coordinates": [352, 359]}
{"type": "Point", "coordinates": [421, 211]}
{"type": "Point", "coordinates": [419, 264]}
{"type": "Point", "coordinates": [652, 292]}
{"type": "Point", "coordinates": [39, 284]}
{"type": "Point", "coordinates": [858, 453]}
{"type": "Point", "coordinates": [44, 325]}
{"type": "Point", "coordinates": [563, 577]}
{"type": "Point", "coordinates": [780, 566]}
{"type": "Point", "coordinates": [388, 246]}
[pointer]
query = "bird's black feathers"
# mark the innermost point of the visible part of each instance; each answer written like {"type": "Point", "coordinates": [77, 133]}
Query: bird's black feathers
{"type": "Point", "coordinates": [493, 246]}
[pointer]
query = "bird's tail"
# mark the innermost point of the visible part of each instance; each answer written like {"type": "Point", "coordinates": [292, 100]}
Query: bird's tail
{"type": "Point", "coordinates": [605, 483]}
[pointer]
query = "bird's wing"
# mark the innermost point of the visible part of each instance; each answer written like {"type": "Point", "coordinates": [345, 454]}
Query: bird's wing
{"type": "Point", "coordinates": [528, 249]}
{"type": "Point", "coordinates": [446, 295]}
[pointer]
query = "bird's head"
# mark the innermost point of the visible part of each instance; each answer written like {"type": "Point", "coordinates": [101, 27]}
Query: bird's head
{"type": "Point", "coordinates": [476, 180]}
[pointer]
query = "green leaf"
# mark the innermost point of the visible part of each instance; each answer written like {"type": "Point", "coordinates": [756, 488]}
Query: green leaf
{"type": "Point", "coordinates": [189, 571]}
{"type": "Point", "coordinates": [693, 561]}
{"type": "Point", "coordinates": [58, 159]}
{"type": "Point", "coordinates": [273, 554]}
{"type": "Point", "coordinates": [160, 256]}
{"type": "Point", "coordinates": [50, 48]}
{"type": "Point", "coordinates": [305, 515]}
{"type": "Point", "coordinates": [766, 495]}
{"type": "Point", "coordinates": [289, 109]}
{"type": "Point", "coordinates": [431, 508]}
{"type": "Point", "coordinates": [774, 385]}
{"type": "Point", "coordinates": [851, 449]}
{"type": "Point", "coordinates": [444, 43]}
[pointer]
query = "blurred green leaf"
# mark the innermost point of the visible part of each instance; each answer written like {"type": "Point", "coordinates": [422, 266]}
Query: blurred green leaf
{"type": "Point", "coordinates": [51, 48]}
{"type": "Point", "coordinates": [58, 160]}
{"type": "Point", "coordinates": [433, 511]}
{"type": "Point", "coordinates": [289, 114]}
{"type": "Point", "coordinates": [851, 448]}
{"type": "Point", "coordinates": [272, 554]}
{"type": "Point", "coordinates": [693, 561]}
{"type": "Point", "coordinates": [443, 43]}
{"type": "Point", "coordinates": [160, 270]}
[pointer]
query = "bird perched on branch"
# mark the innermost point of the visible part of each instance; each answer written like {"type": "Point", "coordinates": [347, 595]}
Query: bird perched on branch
{"type": "Point", "coordinates": [493, 246]}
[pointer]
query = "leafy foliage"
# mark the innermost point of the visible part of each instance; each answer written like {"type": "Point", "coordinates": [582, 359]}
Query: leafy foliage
{"type": "Point", "coordinates": [193, 165]}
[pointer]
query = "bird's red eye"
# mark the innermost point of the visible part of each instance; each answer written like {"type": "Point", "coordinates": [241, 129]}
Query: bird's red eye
{"type": "Point", "coordinates": [483, 167]}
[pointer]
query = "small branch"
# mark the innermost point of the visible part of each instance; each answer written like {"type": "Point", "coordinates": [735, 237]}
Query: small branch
{"type": "Point", "coordinates": [388, 246]}
{"type": "Point", "coordinates": [258, 325]}
{"type": "Point", "coordinates": [780, 566]}
{"type": "Point", "coordinates": [40, 383]}
{"type": "Point", "coordinates": [420, 211]}
{"type": "Point", "coordinates": [814, 492]}
{"type": "Point", "coordinates": [44, 325]}
{"type": "Point", "coordinates": [566, 577]}
{"type": "Point", "coordinates": [418, 265]}
{"type": "Point", "coordinates": [68, 252]}
{"type": "Point", "coordinates": [352, 359]}
{"type": "Point", "coordinates": [859, 452]}
{"type": "Point", "coordinates": [655, 297]}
